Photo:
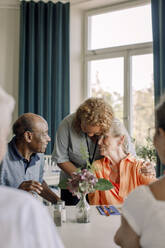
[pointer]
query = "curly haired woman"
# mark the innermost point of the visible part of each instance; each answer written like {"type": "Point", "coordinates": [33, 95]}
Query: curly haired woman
{"type": "Point", "coordinates": [92, 119]}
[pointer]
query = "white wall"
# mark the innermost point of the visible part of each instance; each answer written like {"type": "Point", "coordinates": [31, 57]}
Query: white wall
{"type": "Point", "coordinates": [9, 51]}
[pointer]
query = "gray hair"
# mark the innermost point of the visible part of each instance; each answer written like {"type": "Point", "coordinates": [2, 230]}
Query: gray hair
{"type": "Point", "coordinates": [118, 129]}
{"type": "Point", "coordinates": [6, 108]}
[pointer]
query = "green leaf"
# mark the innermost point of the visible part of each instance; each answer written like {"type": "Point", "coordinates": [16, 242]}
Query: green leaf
{"type": "Point", "coordinates": [63, 184]}
{"type": "Point", "coordinates": [103, 184]}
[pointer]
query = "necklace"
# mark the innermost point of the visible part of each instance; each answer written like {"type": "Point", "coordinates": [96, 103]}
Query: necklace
{"type": "Point", "coordinates": [91, 156]}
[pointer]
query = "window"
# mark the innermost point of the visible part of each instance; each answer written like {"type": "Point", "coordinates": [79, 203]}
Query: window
{"type": "Point", "coordinates": [105, 82]}
{"type": "Point", "coordinates": [142, 96]}
{"type": "Point", "coordinates": [126, 26]}
{"type": "Point", "coordinates": [119, 63]}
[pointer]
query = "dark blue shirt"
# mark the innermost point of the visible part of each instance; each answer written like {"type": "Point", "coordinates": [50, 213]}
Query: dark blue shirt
{"type": "Point", "coordinates": [34, 157]}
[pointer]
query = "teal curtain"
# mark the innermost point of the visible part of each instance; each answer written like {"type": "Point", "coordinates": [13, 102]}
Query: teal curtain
{"type": "Point", "coordinates": [44, 62]}
{"type": "Point", "coordinates": [158, 26]}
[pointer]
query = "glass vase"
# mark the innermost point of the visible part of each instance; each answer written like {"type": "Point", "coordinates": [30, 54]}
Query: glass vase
{"type": "Point", "coordinates": [83, 210]}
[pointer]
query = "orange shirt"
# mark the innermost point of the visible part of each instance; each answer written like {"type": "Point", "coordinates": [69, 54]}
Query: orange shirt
{"type": "Point", "coordinates": [129, 178]}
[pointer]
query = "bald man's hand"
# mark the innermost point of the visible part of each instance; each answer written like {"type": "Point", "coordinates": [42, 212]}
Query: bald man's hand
{"type": "Point", "coordinates": [31, 186]}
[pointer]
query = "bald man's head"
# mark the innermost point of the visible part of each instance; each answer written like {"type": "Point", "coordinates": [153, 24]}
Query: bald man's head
{"type": "Point", "coordinates": [31, 132]}
{"type": "Point", "coordinates": [26, 122]}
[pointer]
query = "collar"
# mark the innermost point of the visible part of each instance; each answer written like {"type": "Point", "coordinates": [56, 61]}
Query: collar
{"type": "Point", "coordinates": [15, 153]}
{"type": "Point", "coordinates": [129, 157]}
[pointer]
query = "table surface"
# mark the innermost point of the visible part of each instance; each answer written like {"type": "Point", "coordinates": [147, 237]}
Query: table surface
{"type": "Point", "coordinates": [99, 233]}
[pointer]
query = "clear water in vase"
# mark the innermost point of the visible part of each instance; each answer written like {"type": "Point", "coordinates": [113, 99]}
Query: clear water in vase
{"type": "Point", "coordinates": [83, 210]}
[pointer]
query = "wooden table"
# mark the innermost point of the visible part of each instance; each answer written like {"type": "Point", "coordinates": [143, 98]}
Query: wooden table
{"type": "Point", "coordinates": [98, 233]}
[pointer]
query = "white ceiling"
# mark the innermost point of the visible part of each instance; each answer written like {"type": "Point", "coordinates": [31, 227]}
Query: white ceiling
{"type": "Point", "coordinates": [83, 4]}
{"type": "Point", "coordinates": [76, 2]}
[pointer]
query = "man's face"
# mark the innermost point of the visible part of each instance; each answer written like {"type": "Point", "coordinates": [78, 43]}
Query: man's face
{"type": "Point", "coordinates": [40, 137]}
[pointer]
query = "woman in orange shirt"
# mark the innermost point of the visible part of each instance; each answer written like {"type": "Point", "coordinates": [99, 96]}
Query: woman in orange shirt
{"type": "Point", "coordinates": [122, 169]}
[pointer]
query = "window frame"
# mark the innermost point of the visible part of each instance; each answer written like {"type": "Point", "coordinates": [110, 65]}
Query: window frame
{"type": "Point", "coordinates": [126, 51]}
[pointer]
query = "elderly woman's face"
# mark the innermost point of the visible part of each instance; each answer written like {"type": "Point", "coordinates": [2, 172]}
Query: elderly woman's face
{"type": "Point", "coordinates": [91, 130]}
{"type": "Point", "coordinates": [107, 144]}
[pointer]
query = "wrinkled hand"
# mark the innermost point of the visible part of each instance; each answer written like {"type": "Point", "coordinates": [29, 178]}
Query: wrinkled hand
{"type": "Point", "coordinates": [148, 169]}
{"type": "Point", "coordinates": [31, 186]}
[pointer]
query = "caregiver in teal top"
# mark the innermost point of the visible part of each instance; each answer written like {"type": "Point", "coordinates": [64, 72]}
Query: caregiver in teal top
{"type": "Point", "coordinates": [92, 119]}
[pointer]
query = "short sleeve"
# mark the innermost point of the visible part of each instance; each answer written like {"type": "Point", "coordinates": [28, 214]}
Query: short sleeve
{"type": "Point", "coordinates": [61, 145]}
{"type": "Point", "coordinates": [146, 216]}
{"type": "Point", "coordinates": [135, 208]}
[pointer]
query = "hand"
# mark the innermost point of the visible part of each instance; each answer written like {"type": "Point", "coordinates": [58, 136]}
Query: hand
{"type": "Point", "coordinates": [125, 236]}
{"type": "Point", "coordinates": [31, 186]}
{"type": "Point", "coordinates": [148, 169]}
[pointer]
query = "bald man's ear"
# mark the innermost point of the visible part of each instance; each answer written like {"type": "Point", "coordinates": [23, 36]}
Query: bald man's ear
{"type": "Point", "coordinates": [28, 136]}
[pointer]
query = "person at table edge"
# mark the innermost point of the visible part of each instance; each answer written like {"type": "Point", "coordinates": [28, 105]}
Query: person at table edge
{"type": "Point", "coordinates": [23, 165]}
{"type": "Point", "coordinates": [25, 222]}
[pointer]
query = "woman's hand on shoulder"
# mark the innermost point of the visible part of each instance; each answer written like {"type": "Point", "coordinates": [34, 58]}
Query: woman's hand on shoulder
{"type": "Point", "coordinates": [148, 169]}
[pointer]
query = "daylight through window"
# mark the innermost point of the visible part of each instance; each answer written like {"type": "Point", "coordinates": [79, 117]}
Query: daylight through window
{"type": "Point", "coordinates": [119, 64]}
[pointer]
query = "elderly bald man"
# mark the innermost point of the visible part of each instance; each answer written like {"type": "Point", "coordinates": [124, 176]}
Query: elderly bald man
{"type": "Point", "coordinates": [23, 164]}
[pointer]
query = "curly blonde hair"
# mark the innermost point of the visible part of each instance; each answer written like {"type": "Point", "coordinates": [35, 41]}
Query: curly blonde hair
{"type": "Point", "coordinates": [94, 112]}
